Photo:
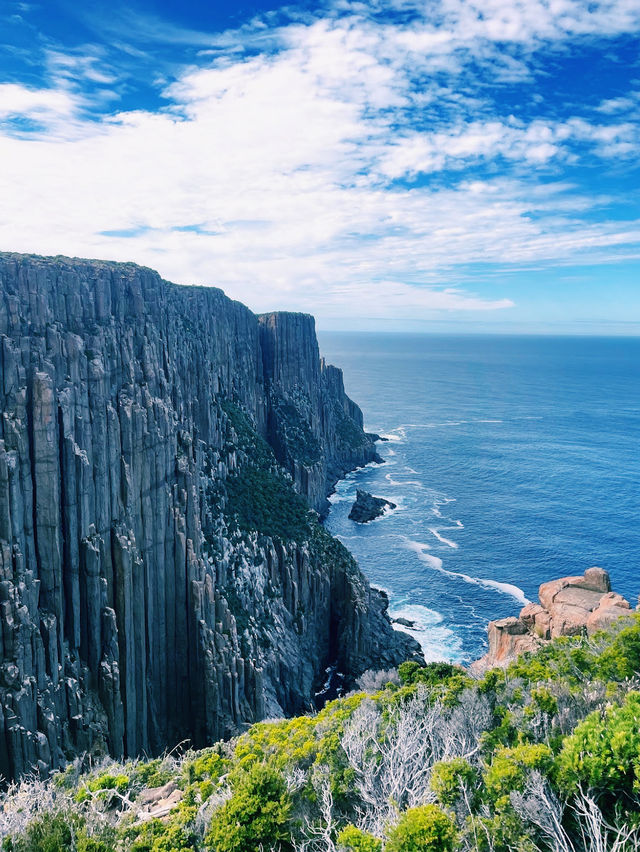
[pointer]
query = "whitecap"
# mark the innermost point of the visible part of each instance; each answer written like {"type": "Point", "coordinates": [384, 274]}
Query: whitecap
{"type": "Point", "coordinates": [444, 540]}
{"type": "Point", "coordinates": [380, 588]}
{"type": "Point", "coordinates": [438, 642]}
{"type": "Point", "coordinates": [391, 480]}
{"type": "Point", "coordinates": [441, 501]}
{"type": "Point", "coordinates": [396, 436]}
{"type": "Point", "coordinates": [436, 563]}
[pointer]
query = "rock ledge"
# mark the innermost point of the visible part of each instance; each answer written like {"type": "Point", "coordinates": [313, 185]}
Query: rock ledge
{"type": "Point", "coordinates": [570, 606]}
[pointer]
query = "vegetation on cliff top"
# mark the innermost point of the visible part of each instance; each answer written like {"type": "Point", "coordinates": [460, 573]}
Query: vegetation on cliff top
{"type": "Point", "coordinates": [542, 756]}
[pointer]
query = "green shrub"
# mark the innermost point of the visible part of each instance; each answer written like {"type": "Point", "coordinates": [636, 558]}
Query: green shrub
{"type": "Point", "coordinates": [352, 839]}
{"type": "Point", "coordinates": [258, 813]}
{"type": "Point", "coordinates": [264, 501]}
{"type": "Point", "coordinates": [52, 832]}
{"type": "Point", "coordinates": [603, 753]}
{"type": "Point", "coordinates": [620, 659]}
{"type": "Point", "coordinates": [153, 773]}
{"type": "Point", "coordinates": [422, 829]}
{"type": "Point", "coordinates": [510, 766]}
{"type": "Point", "coordinates": [502, 832]}
{"type": "Point", "coordinates": [104, 843]}
{"type": "Point", "coordinates": [207, 766]}
{"type": "Point", "coordinates": [449, 776]}
{"type": "Point", "coordinates": [432, 674]}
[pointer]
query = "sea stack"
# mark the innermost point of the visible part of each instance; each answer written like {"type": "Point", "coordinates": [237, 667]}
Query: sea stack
{"type": "Point", "coordinates": [367, 507]}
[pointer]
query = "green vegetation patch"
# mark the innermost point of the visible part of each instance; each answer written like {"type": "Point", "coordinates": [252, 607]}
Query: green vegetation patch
{"type": "Point", "coordinates": [544, 756]}
{"type": "Point", "coordinates": [264, 501]}
{"type": "Point", "coordinates": [259, 495]}
{"type": "Point", "coordinates": [295, 436]}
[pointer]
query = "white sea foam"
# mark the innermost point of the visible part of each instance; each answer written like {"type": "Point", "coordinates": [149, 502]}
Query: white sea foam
{"type": "Point", "coordinates": [487, 421]}
{"type": "Point", "coordinates": [401, 483]}
{"type": "Point", "coordinates": [442, 501]}
{"type": "Point", "coordinates": [444, 540]}
{"type": "Point", "coordinates": [396, 436]}
{"type": "Point", "coordinates": [438, 642]}
{"type": "Point", "coordinates": [380, 588]}
{"type": "Point", "coordinates": [434, 562]}
{"type": "Point", "coordinates": [507, 589]}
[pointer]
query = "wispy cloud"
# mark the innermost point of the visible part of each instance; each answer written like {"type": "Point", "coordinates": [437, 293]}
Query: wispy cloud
{"type": "Point", "coordinates": [357, 159]}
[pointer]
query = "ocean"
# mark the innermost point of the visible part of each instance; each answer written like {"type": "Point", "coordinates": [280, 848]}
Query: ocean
{"type": "Point", "coordinates": [512, 461]}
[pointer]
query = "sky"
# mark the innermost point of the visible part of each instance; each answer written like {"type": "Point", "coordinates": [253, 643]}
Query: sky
{"type": "Point", "coordinates": [448, 165]}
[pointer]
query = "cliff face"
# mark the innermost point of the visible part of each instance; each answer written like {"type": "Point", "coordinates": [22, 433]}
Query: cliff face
{"type": "Point", "coordinates": [313, 426]}
{"type": "Point", "coordinates": [160, 579]}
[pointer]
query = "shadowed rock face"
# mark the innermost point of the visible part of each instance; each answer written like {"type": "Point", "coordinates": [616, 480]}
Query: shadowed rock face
{"type": "Point", "coordinates": [570, 606]}
{"type": "Point", "coordinates": [144, 595]}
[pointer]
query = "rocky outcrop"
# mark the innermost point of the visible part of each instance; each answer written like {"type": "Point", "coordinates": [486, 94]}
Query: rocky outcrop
{"type": "Point", "coordinates": [367, 508]}
{"type": "Point", "coordinates": [570, 606]}
{"type": "Point", "coordinates": [159, 578]}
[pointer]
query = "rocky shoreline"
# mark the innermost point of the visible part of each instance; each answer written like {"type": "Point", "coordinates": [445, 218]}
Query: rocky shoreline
{"type": "Point", "coordinates": [569, 606]}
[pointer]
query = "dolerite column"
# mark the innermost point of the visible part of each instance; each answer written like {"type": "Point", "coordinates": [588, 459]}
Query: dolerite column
{"type": "Point", "coordinates": [46, 470]}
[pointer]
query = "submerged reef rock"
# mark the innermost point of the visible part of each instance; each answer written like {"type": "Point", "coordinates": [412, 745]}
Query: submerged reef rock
{"type": "Point", "coordinates": [367, 508]}
{"type": "Point", "coordinates": [571, 606]}
{"type": "Point", "coordinates": [162, 575]}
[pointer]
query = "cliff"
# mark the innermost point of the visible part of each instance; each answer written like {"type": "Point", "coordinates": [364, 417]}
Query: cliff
{"type": "Point", "coordinates": [570, 606]}
{"type": "Point", "coordinates": [161, 575]}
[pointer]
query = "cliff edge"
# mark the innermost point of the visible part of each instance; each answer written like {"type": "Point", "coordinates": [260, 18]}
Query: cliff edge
{"type": "Point", "coordinates": [570, 606]}
{"type": "Point", "coordinates": [162, 577]}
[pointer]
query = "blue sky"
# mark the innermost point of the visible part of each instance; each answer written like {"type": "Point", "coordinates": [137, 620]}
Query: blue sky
{"type": "Point", "coordinates": [466, 165]}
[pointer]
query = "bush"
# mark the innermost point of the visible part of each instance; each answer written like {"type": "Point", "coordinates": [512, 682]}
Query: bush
{"type": "Point", "coordinates": [603, 752]}
{"type": "Point", "coordinates": [154, 773]}
{"type": "Point", "coordinates": [432, 674]}
{"type": "Point", "coordinates": [352, 839]}
{"type": "Point", "coordinates": [52, 832]}
{"type": "Point", "coordinates": [448, 778]}
{"type": "Point", "coordinates": [257, 814]}
{"type": "Point", "coordinates": [422, 829]}
{"type": "Point", "coordinates": [510, 766]}
{"type": "Point", "coordinates": [264, 501]}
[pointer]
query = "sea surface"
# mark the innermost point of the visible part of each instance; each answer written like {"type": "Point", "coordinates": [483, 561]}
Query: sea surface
{"type": "Point", "coordinates": [512, 461]}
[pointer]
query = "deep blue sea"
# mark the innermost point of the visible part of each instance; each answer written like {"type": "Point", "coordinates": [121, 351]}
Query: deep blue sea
{"type": "Point", "coordinates": [513, 460]}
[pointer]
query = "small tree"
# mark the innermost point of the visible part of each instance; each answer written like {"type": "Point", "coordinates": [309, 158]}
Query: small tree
{"type": "Point", "coordinates": [423, 829]}
{"type": "Point", "coordinates": [256, 816]}
{"type": "Point", "coordinates": [603, 753]}
{"type": "Point", "coordinates": [450, 778]}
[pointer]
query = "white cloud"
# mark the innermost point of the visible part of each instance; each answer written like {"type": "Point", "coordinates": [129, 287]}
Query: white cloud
{"type": "Point", "coordinates": [41, 104]}
{"type": "Point", "coordinates": [272, 175]}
